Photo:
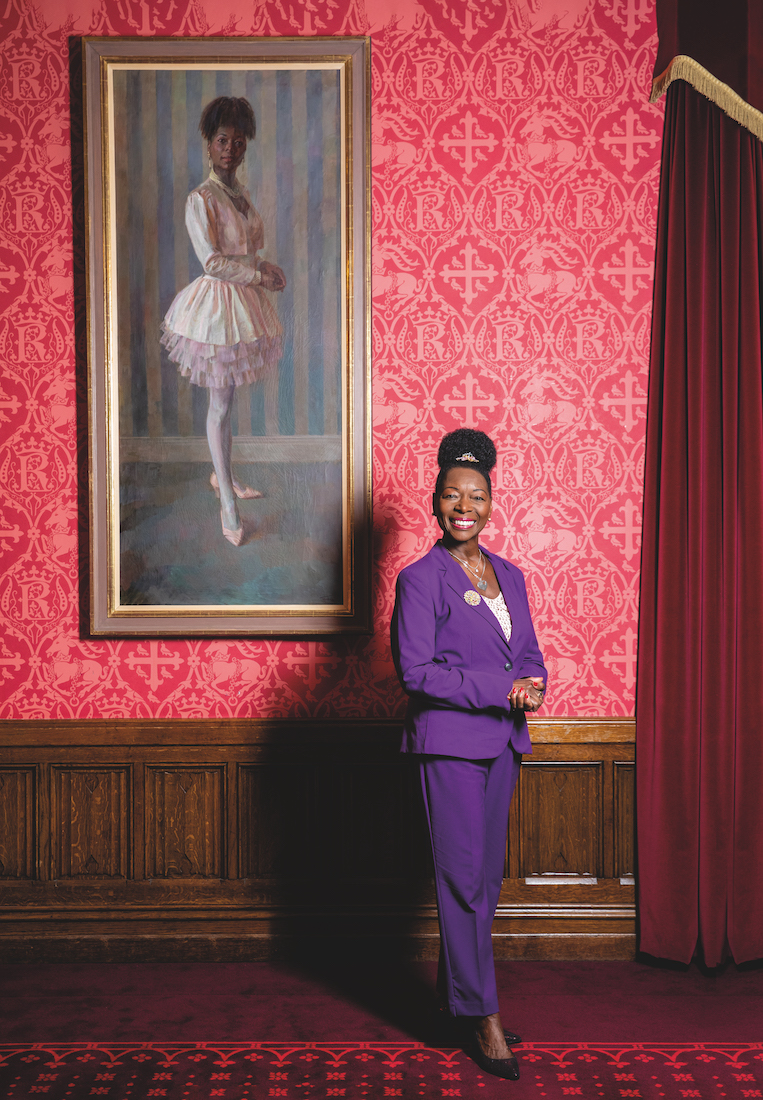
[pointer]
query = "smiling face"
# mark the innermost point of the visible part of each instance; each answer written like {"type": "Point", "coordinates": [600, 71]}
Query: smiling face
{"type": "Point", "coordinates": [462, 507]}
{"type": "Point", "coordinates": [227, 149]}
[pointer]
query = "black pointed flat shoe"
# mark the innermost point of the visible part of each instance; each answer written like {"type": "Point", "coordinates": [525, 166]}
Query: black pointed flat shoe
{"type": "Point", "coordinates": [508, 1068]}
{"type": "Point", "coordinates": [459, 1028]}
{"type": "Point", "coordinates": [459, 1023]}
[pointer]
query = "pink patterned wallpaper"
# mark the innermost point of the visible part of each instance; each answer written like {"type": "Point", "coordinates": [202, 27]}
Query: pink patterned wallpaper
{"type": "Point", "coordinates": [515, 162]}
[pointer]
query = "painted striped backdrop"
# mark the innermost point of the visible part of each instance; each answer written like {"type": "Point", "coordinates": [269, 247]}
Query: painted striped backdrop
{"type": "Point", "coordinates": [292, 170]}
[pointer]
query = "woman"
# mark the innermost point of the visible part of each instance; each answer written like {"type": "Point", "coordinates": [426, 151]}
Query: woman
{"type": "Point", "coordinates": [466, 654]}
{"type": "Point", "coordinates": [222, 330]}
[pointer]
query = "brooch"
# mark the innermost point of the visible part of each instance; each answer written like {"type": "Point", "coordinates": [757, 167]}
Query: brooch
{"type": "Point", "coordinates": [472, 597]}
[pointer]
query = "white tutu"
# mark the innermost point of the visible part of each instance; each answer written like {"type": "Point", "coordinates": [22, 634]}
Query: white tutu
{"type": "Point", "coordinates": [222, 329]}
{"type": "Point", "coordinates": [217, 366]}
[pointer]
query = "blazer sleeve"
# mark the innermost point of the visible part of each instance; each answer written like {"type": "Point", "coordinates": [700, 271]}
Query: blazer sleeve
{"type": "Point", "coordinates": [414, 648]}
{"type": "Point", "coordinates": [201, 223]}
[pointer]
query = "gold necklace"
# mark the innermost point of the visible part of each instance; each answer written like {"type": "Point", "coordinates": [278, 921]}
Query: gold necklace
{"type": "Point", "coordinates": [481, 582]}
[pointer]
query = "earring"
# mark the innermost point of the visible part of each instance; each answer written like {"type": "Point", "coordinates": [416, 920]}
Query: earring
{"type": "Point", "coordinates": [209, 162]}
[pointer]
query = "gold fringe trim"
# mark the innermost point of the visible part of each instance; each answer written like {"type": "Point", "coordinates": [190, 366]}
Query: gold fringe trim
{"type": "Point", "coordinates": [686, 68]}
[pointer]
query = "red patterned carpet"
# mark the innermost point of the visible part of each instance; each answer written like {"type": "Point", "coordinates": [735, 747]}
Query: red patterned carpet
{"type": "Point", "coordinates": [238, 1071]}
{"type": "Point", "coordinates": [314, 1030]}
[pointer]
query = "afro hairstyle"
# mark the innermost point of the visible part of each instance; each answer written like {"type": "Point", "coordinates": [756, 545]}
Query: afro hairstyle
{"type": "Point", "coordinates": [466, 441]}
{"type": "Point", "coordinates": [227, 110]}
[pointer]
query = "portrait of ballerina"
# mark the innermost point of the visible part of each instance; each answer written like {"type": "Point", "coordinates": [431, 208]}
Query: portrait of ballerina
{"type": "Point", "coordinates": [228, 368]}
{"type": "Point", "coordinates": [222, 329]}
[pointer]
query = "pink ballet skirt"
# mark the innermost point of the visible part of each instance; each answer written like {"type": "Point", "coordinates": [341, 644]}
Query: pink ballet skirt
{"type": "Point", "coordinates": [218, 366]}
{"type": "Point", "coordinates": [222, 329]}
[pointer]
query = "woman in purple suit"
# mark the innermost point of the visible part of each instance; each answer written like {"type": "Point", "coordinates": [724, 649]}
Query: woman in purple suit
{"type": "Point", "coordinates": [466, 654]}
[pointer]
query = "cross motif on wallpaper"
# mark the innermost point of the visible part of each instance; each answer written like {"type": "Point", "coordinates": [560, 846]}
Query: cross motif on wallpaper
{"type": "Point", "coordinates": [514, 196]}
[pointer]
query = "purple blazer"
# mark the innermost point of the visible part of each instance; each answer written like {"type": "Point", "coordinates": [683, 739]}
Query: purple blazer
{"type": "Point", "coordinates": [454, 662]}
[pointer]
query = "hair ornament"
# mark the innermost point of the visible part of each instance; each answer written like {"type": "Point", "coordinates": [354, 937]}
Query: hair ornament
{"type": "Point", "coordinates": [465, 445]}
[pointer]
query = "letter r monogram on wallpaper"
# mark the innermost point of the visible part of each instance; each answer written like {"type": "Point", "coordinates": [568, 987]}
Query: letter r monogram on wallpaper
{"type": "Point", "coordinates": [515, 163]}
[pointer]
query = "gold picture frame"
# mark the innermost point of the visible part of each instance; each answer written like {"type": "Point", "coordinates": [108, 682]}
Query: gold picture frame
{"type": "Point", "coordinates": [300, 425]}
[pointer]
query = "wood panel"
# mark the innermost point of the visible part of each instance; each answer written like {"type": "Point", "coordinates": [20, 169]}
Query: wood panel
{"type": "Point", "coordinates": [185, 822]}
{"type": "Point", "coordinates": [380, 828]}
{"type": "Point", "coordinates": [90, 822]}
{"type": "Point", "coordinates": [238, 839]}
{"type": "Point", "coordinates": [17, 823]}
{"type": "Point", "coordinates": [560, 808]}
{"type": "Point", "coordinates": [624, 819]}
{"type": "Point", "coordinates": [277, 821]}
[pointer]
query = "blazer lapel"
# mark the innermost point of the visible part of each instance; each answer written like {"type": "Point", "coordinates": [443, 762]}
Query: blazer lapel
{"type": "Point", "coordinates": [505, 583]}
{"type": "Point", "coordinates": [454, 575]}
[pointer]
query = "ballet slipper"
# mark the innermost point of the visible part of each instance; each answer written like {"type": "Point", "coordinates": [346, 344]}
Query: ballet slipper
{"type": "Point", "coordinates": [246, 492]}
{"type": "Point", "coordinates": [243, 492]}
{"type": "Point", "coordinates": [235, 538]}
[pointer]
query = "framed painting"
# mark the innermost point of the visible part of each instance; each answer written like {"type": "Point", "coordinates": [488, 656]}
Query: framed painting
{"type": "Point", "coordinates": [228, 237]}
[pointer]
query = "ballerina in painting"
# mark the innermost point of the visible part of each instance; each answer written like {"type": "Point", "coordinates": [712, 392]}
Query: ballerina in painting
{"type": "Point", "coordinates": [222, 329]}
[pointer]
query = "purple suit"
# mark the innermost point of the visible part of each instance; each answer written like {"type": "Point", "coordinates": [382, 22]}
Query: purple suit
{"type": "Point", "coordinates": [455, 663]}
{"type": "Point", "coordinates": [457, 667]}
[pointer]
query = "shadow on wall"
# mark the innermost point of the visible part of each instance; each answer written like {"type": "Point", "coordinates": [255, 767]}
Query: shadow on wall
{"type": "Point", "coordinates": [347, 861]}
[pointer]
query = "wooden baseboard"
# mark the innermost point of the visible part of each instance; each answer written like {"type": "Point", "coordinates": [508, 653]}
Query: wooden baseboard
{"type": "Point", "coordinates": [254, 948]}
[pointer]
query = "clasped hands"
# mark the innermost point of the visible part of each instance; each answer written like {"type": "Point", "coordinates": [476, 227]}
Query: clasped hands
{"type": "Point", "coordinates": [271, 276]}
{"type": "Point", "coordinates": [527, 693]}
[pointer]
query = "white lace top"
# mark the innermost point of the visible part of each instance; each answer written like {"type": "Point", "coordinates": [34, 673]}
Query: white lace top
{"type": "Point", "coordinates": [501, 612]}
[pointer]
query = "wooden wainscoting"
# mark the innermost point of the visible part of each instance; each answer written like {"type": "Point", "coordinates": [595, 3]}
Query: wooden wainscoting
{"type": "Point", "coordinates": [248, 839]}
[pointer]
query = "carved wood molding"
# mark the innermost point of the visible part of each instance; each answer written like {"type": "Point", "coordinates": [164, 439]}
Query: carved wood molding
{"type": "Point", "coordinates": [582, 731]}
{"type": "Point", "coordinates": [212, 731]}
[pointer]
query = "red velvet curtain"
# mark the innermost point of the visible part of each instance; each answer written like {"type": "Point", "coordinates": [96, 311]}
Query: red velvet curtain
{"type": "Point", "coordinates": [700, 684]}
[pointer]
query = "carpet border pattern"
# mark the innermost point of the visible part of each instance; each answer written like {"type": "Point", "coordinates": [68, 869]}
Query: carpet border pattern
{"type": "Point", "coordinates": [197, 1070]}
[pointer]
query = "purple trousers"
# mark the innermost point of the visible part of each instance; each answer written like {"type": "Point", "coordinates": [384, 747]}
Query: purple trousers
{"type": "Point", "coordinates": [467, 807]}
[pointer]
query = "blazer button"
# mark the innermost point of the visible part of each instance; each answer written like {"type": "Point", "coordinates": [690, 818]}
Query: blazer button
{"type": "Point", "coordinates": [508, 666]}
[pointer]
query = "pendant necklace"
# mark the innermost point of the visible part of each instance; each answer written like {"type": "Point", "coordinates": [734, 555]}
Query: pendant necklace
{"type": "Point", "coordinates": [481, 582]}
